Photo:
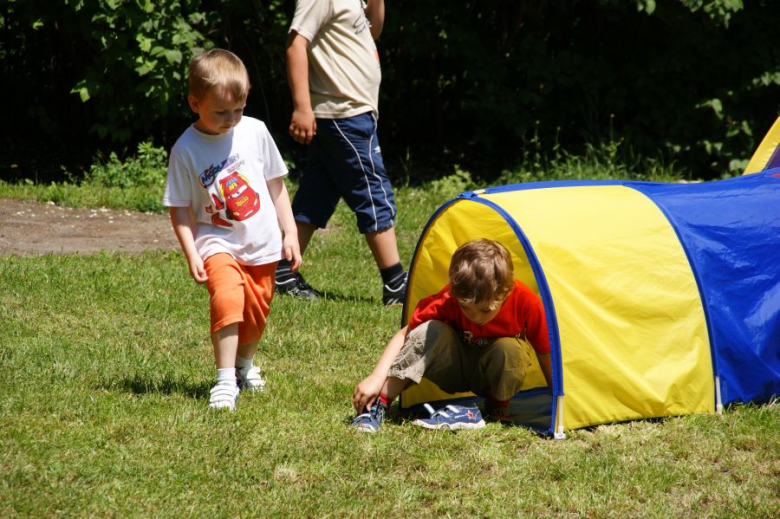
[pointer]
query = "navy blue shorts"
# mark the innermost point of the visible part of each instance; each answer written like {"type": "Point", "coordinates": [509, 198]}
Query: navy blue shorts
{"type": "Point", "coordinates": [345, 161]}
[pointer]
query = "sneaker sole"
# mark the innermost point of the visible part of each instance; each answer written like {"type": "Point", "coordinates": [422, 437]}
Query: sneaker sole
{"type": "Point", "coordinates": [228, 407]}
{"type": "Point", "coordinates": [300, 295]}
{"type": "Point", "coordinates": [450, 427]}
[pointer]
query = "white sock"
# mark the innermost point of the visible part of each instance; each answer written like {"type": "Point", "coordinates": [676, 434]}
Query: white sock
{"type": "Point", "coordinates": [226, 376]}
{"type": "Point", "coordinates": [244, 364]}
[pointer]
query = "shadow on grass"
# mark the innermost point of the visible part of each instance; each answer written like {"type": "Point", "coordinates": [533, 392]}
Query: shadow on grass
{"type": "Point", "coordinates": [330, 296]}
{"type": "Point", "coordinates": [140, 384]}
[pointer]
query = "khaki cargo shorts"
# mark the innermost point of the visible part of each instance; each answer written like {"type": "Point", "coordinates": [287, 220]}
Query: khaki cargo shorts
{"type": "Point", "coordinates": [433, 350]}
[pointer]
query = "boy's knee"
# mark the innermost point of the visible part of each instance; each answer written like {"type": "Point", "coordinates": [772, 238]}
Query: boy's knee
{"type": "Point", "coordinates": [506, 350]}
{"type": "Point", "coordinates": [380, 218]}
{"type": "Point", "coordinates": [433, 333]}
{"type": "Point", "coordinates": [505, 366]}
{"type": "Point", "coordinates": [430, 347]}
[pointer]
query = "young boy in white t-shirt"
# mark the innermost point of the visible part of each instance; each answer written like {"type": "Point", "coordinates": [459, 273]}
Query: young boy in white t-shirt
{"type": "Point", "coordinates": [227, 199]}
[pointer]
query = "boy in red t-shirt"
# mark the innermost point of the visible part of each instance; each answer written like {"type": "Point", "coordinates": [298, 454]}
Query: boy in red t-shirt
{"type": "Point", "coordinates": [471, 336]}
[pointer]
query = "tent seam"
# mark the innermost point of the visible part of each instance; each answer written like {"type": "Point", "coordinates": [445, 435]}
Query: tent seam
{"type": "Point", "coordinates": [546, 296]}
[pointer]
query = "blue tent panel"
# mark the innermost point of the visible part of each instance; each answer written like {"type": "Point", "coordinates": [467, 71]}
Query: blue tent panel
{"type": "Point", "coordinates": [731, 232]}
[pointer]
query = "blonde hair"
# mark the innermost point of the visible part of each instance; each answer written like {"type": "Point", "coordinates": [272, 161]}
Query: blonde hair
{"type": "Point", "coordinates": [481, 271]}
{"type": "Point", "coordinates": [218, 69]}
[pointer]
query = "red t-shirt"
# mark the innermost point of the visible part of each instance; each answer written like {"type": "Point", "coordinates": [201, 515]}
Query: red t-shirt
{"type": "Point", "coordinates": [521, 316]}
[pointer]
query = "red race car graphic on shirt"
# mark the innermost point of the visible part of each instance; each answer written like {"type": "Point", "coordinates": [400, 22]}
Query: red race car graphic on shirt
{"type": "Point", "coordinates": [236, 197]}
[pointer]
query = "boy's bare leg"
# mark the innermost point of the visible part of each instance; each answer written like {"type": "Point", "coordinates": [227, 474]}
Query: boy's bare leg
{"type": "Point", "coordinates": [225, 392]}
{"type": "Point", "coordinates": [383, 246]}
{"type": "Point", "coordinates": [225, 343]}
{"type": "Point", "coordinates": [247, 350]}
{"type": "Point", "coordinates": [305, 233]}
{"type": "Point", "coordinates": [394, 386]}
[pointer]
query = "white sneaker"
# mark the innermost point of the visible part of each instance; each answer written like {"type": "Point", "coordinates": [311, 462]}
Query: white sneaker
{"type": "Point", "coordinates": [223, 396]}
{"type": "Point", "coordinates": [251, 379]}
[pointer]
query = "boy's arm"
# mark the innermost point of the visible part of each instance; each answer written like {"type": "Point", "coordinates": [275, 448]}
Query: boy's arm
{"type": "Point", "coordinates": [545, 364]}
{"type": "Point", "coordinates": [184, 227]}
{"type": "Point", "coordinates": [281, 199]}
{"type": "Point", "coordinates": [303, 125]}
{"type": "Point", "coordinates": [370, 387]}
{"type": "Point", "coordinates": [375, 12]}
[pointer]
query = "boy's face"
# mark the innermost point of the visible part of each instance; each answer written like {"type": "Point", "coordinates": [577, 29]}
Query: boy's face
{"type": "Point", "coordinates": [482, 312]}
{"type": "Point", "coordinates": [217, 112]}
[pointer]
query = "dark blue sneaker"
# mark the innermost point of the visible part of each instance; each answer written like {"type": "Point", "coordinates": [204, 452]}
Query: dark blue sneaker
{"type": "Point", "coordinates": [452, 417]}
{"type": "Point", "coordinates": [370, 421]}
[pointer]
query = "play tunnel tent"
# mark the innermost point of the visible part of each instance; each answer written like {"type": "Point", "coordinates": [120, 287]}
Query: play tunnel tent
{"type": "Point", "coordinates": [767, 155]}
{"type": "Point", "coordinates": [661, 299]}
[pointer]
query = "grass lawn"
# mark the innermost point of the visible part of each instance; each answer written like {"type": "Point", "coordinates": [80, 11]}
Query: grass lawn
{"type": "Point", "coordinates": [105, 366]}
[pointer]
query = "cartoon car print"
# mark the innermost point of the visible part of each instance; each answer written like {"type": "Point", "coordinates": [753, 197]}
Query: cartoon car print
{"type": "Point", "coordinates": [236, 197]}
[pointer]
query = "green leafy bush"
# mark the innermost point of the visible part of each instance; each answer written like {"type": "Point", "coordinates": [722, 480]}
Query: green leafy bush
{"type": "Point", "coordinates": [463, 82]}
{"type": "Point", "coordinates": [147, 169]}
{"type": "Point", "coordinates": [143, 48]}
{"type": "Point", "coordinates": [452, 185]}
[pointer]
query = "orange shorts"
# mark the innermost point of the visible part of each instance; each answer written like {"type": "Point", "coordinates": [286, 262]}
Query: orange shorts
{"type": "Point", "coordinates": [239, 294]}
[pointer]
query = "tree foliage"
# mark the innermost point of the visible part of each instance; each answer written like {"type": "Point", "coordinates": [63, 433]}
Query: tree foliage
{"type": "Point", "coordinates": [470, 82]}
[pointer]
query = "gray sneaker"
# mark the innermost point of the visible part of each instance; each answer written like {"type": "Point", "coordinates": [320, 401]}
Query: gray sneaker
{"type": "Point", "coordinates": [296, 286]}
{"type": "Point", "coordinates": [394, 296]}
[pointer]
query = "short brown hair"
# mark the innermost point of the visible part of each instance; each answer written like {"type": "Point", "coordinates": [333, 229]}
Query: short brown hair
{"type": "Point", "coordinates": [481, 271]}
{"type": "Point", "coordinates": [218, 69]}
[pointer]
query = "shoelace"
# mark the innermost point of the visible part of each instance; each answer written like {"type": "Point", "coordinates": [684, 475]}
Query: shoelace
{"type": "Point", "coordinates": [441, 412]}
{"type": "Point", "coordinates": [373, 413]}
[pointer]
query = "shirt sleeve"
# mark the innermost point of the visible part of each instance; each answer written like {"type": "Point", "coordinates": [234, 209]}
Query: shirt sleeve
{"type": "Point", "coordinates": [310, 16]}
{"type": "Point", "coordinates": [535, 323]}
{"type": "Point", "coordinates": [430, 308]}
{"type": "Point", "coordinates": [178, 186]}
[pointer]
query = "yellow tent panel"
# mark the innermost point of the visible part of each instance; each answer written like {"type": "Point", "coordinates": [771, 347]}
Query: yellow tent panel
{"type": "Point", "coordinates": [630, 319]}
{"type": "Point", "coordinates": [660, 299]}
{"type": "Point", "coordinates": [626, 313]}
{"type": "Point", "coordinates": [767, 155]}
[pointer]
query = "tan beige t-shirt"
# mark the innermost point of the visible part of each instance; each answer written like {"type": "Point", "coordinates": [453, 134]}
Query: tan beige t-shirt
{"type": "Point", "coordinates": [344, 71]}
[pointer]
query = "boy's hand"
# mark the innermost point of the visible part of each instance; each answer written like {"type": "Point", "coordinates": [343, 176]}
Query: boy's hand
{"type": "Point", "coordinates": [292, 251]}
{"type": "Point", "coordinates": [365, 393]}
{"type": "Point", "coordinates": [184, 226]}
{"type": "Point", "coordinates": [303, 126]}
{"type": "Point", "coordinates": [197, 270]}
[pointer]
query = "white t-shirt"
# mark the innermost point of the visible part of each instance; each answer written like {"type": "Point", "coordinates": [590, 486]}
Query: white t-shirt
{"type": "Point", "coordinates": [223, 179]}
{"type": "Point", "coordinates": [344, 71]}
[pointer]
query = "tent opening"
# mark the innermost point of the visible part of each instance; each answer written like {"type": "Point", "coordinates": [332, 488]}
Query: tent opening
{"type": "Point", "coordinates": [447, 230]}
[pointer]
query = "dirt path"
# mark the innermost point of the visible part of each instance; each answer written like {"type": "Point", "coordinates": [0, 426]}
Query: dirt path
{"type": "Point", "coordinates": [31, 228]}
